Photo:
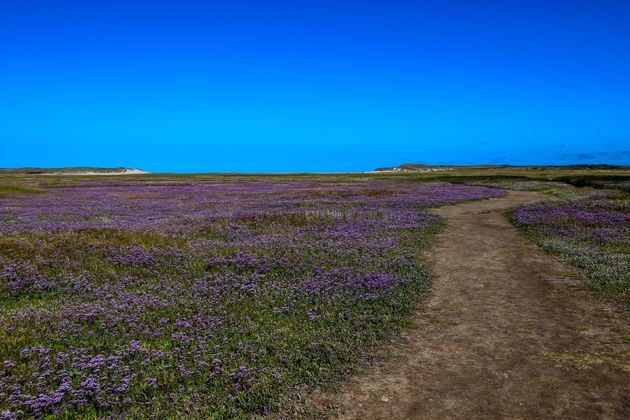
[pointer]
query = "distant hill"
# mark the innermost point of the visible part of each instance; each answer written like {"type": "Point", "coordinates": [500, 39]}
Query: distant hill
{"type": "Point", "coordinates": [412, 167]}
{"type": "Point", "coordinates": [418, 167]}
{"type": "Point", "coordinates": [72, 171]}
{"type": "Point", "coordinates": [593, 166]}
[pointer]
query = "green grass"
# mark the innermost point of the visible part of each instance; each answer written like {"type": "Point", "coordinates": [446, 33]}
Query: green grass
{"type": "Point", "coordinates": [590, 234]}
{"type": "Point", "coordinates": [292, 353]}
{"type": "Point", "coordinates": [6, 190]}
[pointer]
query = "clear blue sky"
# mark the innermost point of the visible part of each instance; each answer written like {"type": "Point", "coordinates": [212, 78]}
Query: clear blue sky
{"type": "Point", "coordinates": [313, 85]}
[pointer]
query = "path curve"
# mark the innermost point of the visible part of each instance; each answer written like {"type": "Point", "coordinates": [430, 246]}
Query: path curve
{"type": "Point", "coordinates": [506, 334]}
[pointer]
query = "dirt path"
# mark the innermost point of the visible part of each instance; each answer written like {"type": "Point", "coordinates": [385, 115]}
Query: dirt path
{"type": "Point", "coordinates": [506, 334]}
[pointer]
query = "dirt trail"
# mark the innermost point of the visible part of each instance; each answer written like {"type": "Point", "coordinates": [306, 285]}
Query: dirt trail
{"type": "Point", "coordinates": [506, 334]}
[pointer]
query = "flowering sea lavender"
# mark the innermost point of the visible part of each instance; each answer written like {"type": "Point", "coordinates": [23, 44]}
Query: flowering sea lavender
{"type": "Point", "coordinates": [592, 234]}
{"type": "Point", "coordinates": [206, 298]}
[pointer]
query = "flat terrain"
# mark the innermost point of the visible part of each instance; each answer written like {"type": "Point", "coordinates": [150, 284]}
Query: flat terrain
{"type": "Point", "coordinates": [507, 333]}
{"type": "Point", "coordinates": [208, 298]}
{"type": "Point", "coordinates": [228, 296]}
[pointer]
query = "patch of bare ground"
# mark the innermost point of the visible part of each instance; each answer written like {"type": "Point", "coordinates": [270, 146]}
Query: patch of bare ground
{"type": "Point", "coordinates": [507, 333]}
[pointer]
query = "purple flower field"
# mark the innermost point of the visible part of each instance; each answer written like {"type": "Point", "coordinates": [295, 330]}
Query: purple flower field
{"type": "Point", "coordinates": [207, 299]}
{"type": "Point", "coordinates": [592, 234]}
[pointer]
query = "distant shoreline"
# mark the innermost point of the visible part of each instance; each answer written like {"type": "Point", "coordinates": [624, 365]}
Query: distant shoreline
{"type": "Point", "coordinates": [74, 171]}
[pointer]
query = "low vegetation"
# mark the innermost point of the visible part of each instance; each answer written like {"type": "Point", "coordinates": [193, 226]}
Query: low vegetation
{"type": "Point", "coordinates": [6, 190]}
{"type": "Point", "coordinates": [590, 233]}
{"type": "Point", "coordinates": [218, 295]}
{"type": "Point", "coordinates": [212, 298]}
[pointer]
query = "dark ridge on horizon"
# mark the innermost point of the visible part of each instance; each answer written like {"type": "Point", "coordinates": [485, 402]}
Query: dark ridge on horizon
{"type": "Point", "coordinates": [419, 167]}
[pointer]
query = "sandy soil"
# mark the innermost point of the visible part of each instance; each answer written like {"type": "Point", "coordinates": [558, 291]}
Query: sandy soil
{"type": "Point", "coordinates": [507, 333]}
{"type": "Point", "coordinates": [83, 173]}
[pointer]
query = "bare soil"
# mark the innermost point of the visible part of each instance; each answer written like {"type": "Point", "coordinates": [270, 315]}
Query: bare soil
{"type": "Point", "coordinates": [507, 333]}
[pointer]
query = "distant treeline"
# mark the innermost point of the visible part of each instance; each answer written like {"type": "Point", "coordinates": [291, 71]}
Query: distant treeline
{"type": "Point", "coordinates": [621, 182]}
{"type": "Point", "coordinates": [589, 166]}
{"type": "Point", "coordinates": [410, 167]}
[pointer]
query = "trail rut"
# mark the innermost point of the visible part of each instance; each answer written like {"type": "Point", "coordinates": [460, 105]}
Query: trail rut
{"type": "Point", "coordinates": [507, 333]}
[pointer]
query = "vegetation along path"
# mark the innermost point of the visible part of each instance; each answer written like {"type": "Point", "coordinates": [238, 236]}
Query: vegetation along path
{"type": "Point", "coordinates": [507, 333]}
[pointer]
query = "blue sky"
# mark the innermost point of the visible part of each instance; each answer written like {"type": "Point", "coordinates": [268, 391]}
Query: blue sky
{"type": "Point", "coordinates": [252, 86]}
